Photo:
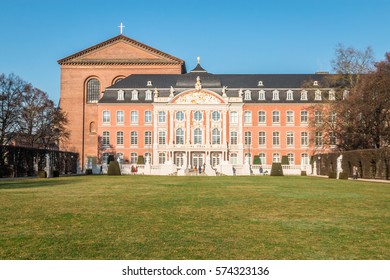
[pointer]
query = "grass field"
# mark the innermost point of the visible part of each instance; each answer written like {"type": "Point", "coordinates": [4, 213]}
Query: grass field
{"type": "Point", "coordinates": [147, 217]}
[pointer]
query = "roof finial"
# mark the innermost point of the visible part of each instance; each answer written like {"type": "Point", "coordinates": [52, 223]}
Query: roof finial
{"type": "Point", "coordinates": [198, 58]}
{"type": "Point", "coordinates": [121, 28]}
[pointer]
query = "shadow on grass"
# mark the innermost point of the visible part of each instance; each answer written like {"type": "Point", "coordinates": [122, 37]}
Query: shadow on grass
{"type": "Point", "coordinates": [32, 183]}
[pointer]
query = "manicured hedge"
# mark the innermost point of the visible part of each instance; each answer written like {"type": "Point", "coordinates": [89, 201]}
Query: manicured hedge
{"type": "Point", "coordinates": [276, 169]}
{"type": "Point", "coordinates": [113, 168]}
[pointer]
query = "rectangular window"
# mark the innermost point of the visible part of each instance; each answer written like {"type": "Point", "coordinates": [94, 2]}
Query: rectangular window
{"type": "Point", "coordinates": [161, 137]}
{"type": "Point", "coordinates": [304, 95]}
{"type": "Point", "coordinates": [290, 117]}
{"type": "Point", "coordinates": [332, 117]}
{"type": "Point", "coordinates": [119, 138]}
{"type": "Point", "coordinates": [133, 138]}
{"type": "Point", "coordinates": [120, 117]}
{"type": "Point", "coordinates": [318, 139]}
{"type": "Point", "coordinates": [133, 158]}
{"type": "Point", "coordinates": [148, 117]}
{"type": "Point", "coordinates": [106, 138]}
{"type": "Point", "coordinates": [304, 139]}
{"type": "Point", "coordinates": [261, 116]}
{"type": "Point", "coordinates": [247, 117]}
{"type": "Point", "coordinates": [304, 117]}
{"type": "Point", "coordinates": [161, 117]}
{"type": "Point", "coordinates": [290, 138]}
{"type": "Point", "coordinates": [248, 138]}
{"type": "Point", "coordinates": [262, 138]}
{"type": "Point", "coordinates": [233, 117]}
{"type": "Point", "coordinates": [332, 138]}
{"type": "Point", "coordinates": [276, 138]}
{"type": "Point", "coordinates": [148, 138]}
{"type": "Point", "coordinates": [161, 158]}
{"type": "Point", "coordinates": [233, 138]}
{"type": "Point", "coordinates": [275, 117]}
{"type": "Point", "coordinates": [134, 117]}
{"type": "Point", "coordinates": [106, 117]}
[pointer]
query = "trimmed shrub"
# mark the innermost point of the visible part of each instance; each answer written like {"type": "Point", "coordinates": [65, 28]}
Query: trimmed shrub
{"type": "Point", "coordinates": [88, 171]}
{"type": "Point", "coordinates": [276, 169]}
{"type": "Point", "coordinates": [256, 160]}
{"type": "Point", "coordinates": [56, 173]}
{"type": "Point", "coordinates": [285, 160]}
{"type": "Point", "coordinates": [332, 175]}
{"type": "Point", "coordinates": [113, 168]}
{"type": "Point", "coordinates": [140, 160]}
{"type": "Point", "coordinates": [42, 174]}
{"type": "Point", "coordinates": [303, 173]}
{"type": "Point", "coordinates": [343, 176]}
{"type": "Point", "coordinates": [110, 158]}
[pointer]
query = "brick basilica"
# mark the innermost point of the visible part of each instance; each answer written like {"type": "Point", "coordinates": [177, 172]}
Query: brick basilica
{"type": "Point", "coordinates": [128, 99]}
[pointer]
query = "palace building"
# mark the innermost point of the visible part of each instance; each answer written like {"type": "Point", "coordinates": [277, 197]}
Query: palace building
{"type": "Point", "coordinates": [130, 100]}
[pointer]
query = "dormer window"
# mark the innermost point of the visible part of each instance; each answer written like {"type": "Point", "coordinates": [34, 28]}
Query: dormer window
{"type": "Point", "coordinates": [134, 95]}
{"type": "Point", "coordinates": [290, 95]}
{"type": "Point", "coordinates": [275, 95]}
{"type": "Point", "coordinates": [332, 95]}
{"type": "Point", "coordinates": [121, 95]}
{"type": "Point", "coordinates": [304, 95]}
{"type": "Point", "coordinates": [148, 95]}
{"type": "Point", "coordinates": [315, 83]}
{"type": "Point", "coordinates": [149, 83]}
{"type": "Point", "coordinates": [248, 95]}
{"type": "Point", "coordinates": [317, 95]}
{"type": "Point", "coordinates": [260, 84]}
{"type": "Point", "coordinates": [262, 94]}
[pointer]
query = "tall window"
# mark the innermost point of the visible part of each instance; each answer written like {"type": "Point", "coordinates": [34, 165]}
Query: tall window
{"type": "Point", "coordinates": [332, 117]}
{"type": "Point", "coordinates": [161, 158]}
{"type": "Point", "coordinates": [233, 117]}
{"type": "Point", "coordinates": [133, 158]}
{"type": "Point", "coordinates": [233, 158]}
{"type": "Point", "coordinates": [119, 138]}
{"type": "Point", "coordinates": [148, 138]}
{"type": "Point", "coordinates": [134, 138]}
{"type": "Point", "coordinates": [93, 91]}
{"type": "Point", "coordinates": [134, 117]}
{"type": "Point", "coordinates": [134, 95]}
{"type": "Point", "coordinates": [275, 117]}
{"type": "Point", "coordinates": [318, 117]}
{"type": "Point", "coordinates": [161, 138]}
{"type": "Point", "coordinates": [161, 117]}
{"type": "Point", "coordinates": [248, 95]}
{"type": "Point", "coordinates": [291, 158]}
{"type": "Point", "coordinates": [197, 136]}
{"type": "Point", "coordinates": [148, 155]}
{"type": "Point", "coordinates": [179, 136]}
{"type": "Point", "coordinates": [106, 138]}
{"type": "Point", "coordinates": [275, 157]}
{"type": "Point", "coordinates": [216, 136]}
{"type": "Point", "coordinates": [290, 117]}
{"type": "Point", "coordinates": [248, 138]}
{"type": "Point", "coordinates": [304, 95]}
{"type": "Point", "coordinates": [120, 117]}
{"type": "Point", "coordinates": [304, 116]}
{"type": "Point", "coordinates": [318, 139]}
{"type": "Point", "coordinates": [290, 138]}
{"type": "Point", "coordinates": [262, 138]}
{"type": "Point", "coordinates": [290, 95]}
{"type": "Point", "coordinates": [262, 158]}
{"type": "Point", "coordinates": [247, 117]}
{"type": "Point", "coordinates": [106, 117]}
{"type": "Point", "coordinates": [261, 94]}
{"type": "Point", "coordinates": [304, 138]}
{"type": "Point", "coordinates": [261, 115]}
{"type": "Point", "coordinates": [332, 138]}
{"type": "Point", "coordinates": [304, 159]}
{"type": "Point", "coordinates": [148, 95]}
{"type": "Point", "coordinates": [317, 95]}
{"type": "Point", "coordinates": [275, 95]}
{"type": "Point", "coordinates": [276, 138]}
{"type": "Point", "coordinates": [233, 137]}
{"type": "Point", "coordinates": [148, 117]}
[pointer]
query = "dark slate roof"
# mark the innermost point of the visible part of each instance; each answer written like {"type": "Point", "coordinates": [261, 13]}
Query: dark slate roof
{"type": "Point", "coordinates": [215, 82]}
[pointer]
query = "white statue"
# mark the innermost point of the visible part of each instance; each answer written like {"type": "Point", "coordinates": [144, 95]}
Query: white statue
{"type": "Point", "coordinates": [240, 93]}
{"type": "Point", "coordinates": [198, 85]}
{"type": "Point", "coordinates": [224, 89]}
{"type": "Point", "coordinates": [155, 93]}
{"type": "Point", "coordinates": [171, 92]}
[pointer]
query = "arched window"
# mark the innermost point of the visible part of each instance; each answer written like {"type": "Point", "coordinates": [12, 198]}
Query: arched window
{"type": "Point", "coordinates": [216, 136]}
{"type": "Point", "coordinates": [197, 136]}
{"type": "Point", "coordinates": [179, 136]}
{"type": "Point", "coordinates": [93, 91]}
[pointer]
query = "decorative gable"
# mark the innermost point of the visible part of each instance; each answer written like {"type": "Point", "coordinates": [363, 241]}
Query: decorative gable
{"type": "Point", "coordinates": [198, 97]}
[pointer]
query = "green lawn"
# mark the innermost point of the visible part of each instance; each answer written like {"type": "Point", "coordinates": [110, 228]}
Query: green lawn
{"type": "Point", "coordinates": [148, 217]}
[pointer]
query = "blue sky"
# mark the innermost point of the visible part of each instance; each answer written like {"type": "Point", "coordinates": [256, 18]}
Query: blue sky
{"type": "Point", "coordinates": [244, 36]}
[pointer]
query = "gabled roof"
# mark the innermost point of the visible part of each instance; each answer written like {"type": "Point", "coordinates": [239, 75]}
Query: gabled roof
{"type": "Point", "coordinates": [152, 55]}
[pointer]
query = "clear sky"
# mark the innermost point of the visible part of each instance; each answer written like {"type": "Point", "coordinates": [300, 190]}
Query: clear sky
{"type": "Point", "coordinates": [259, 36]}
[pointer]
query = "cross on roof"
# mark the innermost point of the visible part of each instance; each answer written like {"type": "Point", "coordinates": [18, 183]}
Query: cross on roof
{"type": "Point", "coordinates": [121, 28]}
